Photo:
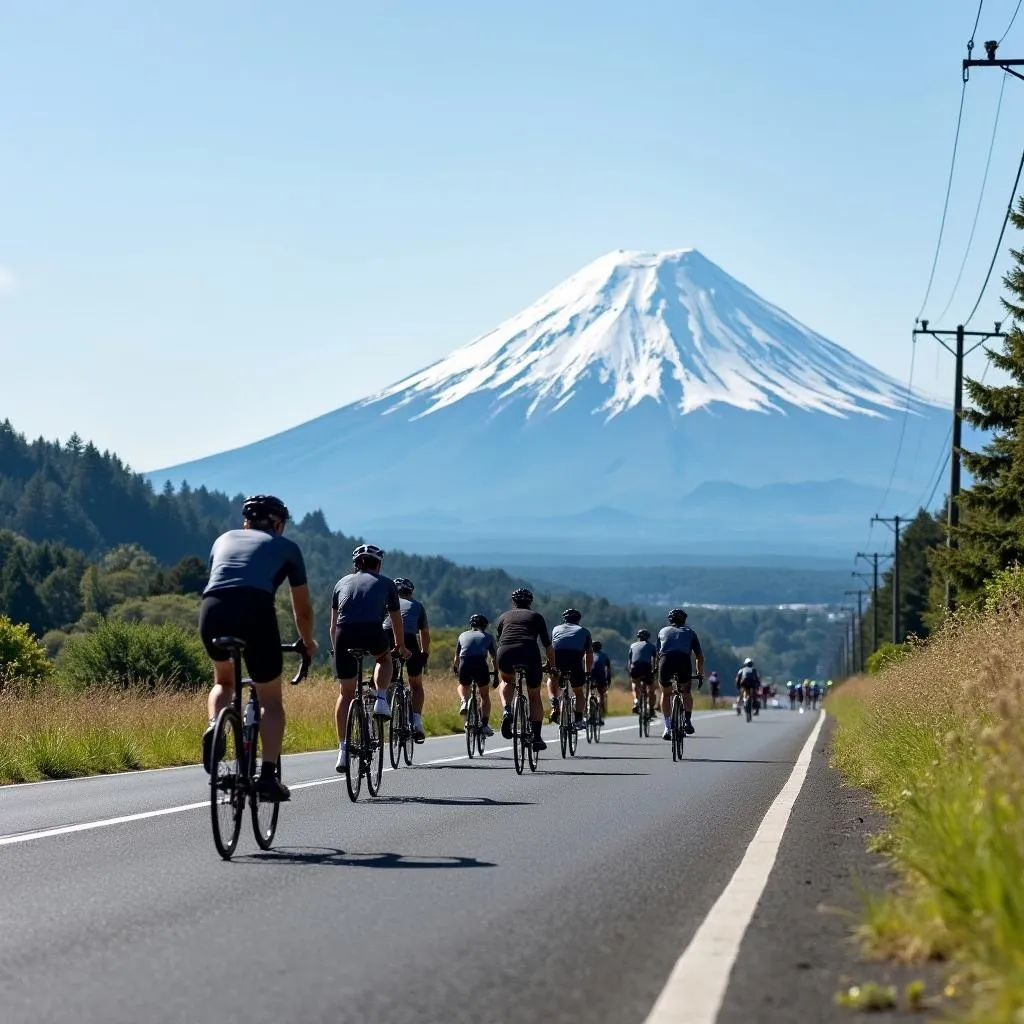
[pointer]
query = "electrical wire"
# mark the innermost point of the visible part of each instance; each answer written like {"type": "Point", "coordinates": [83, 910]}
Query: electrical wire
{"type": "Point", "coordinates": [999, 242]}
{"type": "Point", "coordinates": [981, 4]}
{"type": "Point", "coordinates": [1016, 10]}
{"type": "Point", "coordinates": [977, 210]}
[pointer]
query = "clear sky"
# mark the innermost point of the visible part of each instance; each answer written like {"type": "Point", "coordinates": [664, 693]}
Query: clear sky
{"type": "Point", "coordinates": [219, 219]}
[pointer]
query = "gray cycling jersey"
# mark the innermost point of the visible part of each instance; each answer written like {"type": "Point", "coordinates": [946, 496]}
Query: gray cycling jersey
{"type": "Point", "coordinates": [602, 664]}
{"type": "Point", "coordinates": [254, 558]}
{"type": "Point", "coordinates": [641, 653]}
{"type": "Point", "coordinates": [678, 638]}
{"type": "Point", "coordinates": [568, 636]}
{"type": "Point", "coordinates": [747, 676]}
{"type": "Point", "coordinates": [475, 643]}
{"type": "Point", "coordinates": [414, 616]}
{"type": "Point", "coordinates": [364, 597]}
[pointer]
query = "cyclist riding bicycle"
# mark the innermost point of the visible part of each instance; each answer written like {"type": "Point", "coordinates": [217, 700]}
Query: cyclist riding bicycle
{"type": "Point", "coordinates": [640, 666]}
{"type": "Point", "coordinates": [519, 630]}
{"type": "Point", "coordinates": [601, 674]}
{"type": "Point", "coordinates": [470, 665]}
{"type": "Point", "coordinates": [678, 644]}
{"type": "Point", "coordinates": [748, 681]}
{"type": "Point", "coordinates": [417, 640]}
{"type": "Point", "coordinates": [574, 654]}
{"type": "Point", "coordinates": [791, 688]}
{"type": "Point", "coordinates": [716, 687]}
{"type": "Point", "coordinates": [246, 568]}
{"type": "Point", "coordinates": [359, 602]}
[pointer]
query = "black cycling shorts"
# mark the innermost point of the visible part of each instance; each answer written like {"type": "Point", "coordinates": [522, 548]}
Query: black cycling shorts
{"type": "Point", "coordinates": [367, 636]}
{"type": "Point", "coordinates": [474, 670]}
{"type": "Point", "coordinates": [600, 680]}
{"type": "Point", "coordinates": [641, 670]}
{"type": "Point", "coordinates": [414, 666]}
{"type": "Point", "coordinates": [246, 613]}
{"type": "Point", "coordinates": [572, 662]}
{"type": "Point", "coordinates": [526, 654]}
{"type": "Point", "coordinates": [675, 663]}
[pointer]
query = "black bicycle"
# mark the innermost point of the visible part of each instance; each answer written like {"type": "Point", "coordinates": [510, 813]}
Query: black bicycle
{"type": "Point", "coordinates": [748, 703]}
{"type": "Point", "coordinates": [644, 709]}
{"type": "Point", "coordinates": [364, 737]}
{"type": "Point", "coordinates": [400, 738]}
{"type": "Point", "coordinates": [475, 738]}
{"type": "Point", "coordinates": [593, 711]}
{"type": "Point", "coordinates": [568, 734]}
{"type": "Point", "coordinates": [236, 753]}
{"type": "Point", "coordinates": [523, 751]}
{"type": "Point", "coordinates": [677, 719]}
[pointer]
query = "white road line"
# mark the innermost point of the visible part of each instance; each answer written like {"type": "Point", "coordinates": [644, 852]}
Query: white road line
{"type": "Point", "coordinates": [86, 826]}
{"type": "Point", "coordinates": [698, 982]}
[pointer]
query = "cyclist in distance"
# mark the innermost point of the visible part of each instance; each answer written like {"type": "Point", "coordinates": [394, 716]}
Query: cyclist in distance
{"type": "Point", "coordinates": [790, 686]}
{"type": "Point", "coordinates": [417, 640]}
{"type": "Point", "coordinates": [519, 630]}
{"type": "Point", "coordinates": [602, 676]}
{"type": "Point", "coordinates": [715, 688]}
{"type": "Point", "coordinates": [678, 644]}
{"type": "Point", "coordinates": [747, 680]}
{"type": "Point", "coordinates": [574, 654]}
{"type": "Point", "coordinates": [470, 665]}
{"type": "Point", "coordinates": [246, 568]}
{"type": "Point", "coordinates": [640, 666]}
{"type": "Point", "coordinates": [359, 602]}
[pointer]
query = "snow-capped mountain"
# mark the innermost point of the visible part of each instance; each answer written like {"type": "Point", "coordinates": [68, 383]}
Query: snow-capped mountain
{"type": "Point", "coordinates": [628, 386]}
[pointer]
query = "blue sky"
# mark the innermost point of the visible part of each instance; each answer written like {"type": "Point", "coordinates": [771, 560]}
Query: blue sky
{"type": "Point", "coordinates": [218, 219]}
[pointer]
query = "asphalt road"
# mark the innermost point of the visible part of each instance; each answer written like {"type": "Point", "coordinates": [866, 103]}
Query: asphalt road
{"type": "Point", "coordinates": [463, 892]}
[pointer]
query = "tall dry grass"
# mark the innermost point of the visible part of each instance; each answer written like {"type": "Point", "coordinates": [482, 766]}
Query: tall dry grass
{"type": "Point", "coordinates": [939, 738]}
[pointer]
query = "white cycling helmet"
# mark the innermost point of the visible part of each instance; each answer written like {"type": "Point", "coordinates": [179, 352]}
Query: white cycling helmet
{"type": "Point", "coordinates": [747, 661]}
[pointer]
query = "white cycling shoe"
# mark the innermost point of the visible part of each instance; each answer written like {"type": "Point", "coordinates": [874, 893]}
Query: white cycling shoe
{"type": "Point", "coordinates": [381, 709]}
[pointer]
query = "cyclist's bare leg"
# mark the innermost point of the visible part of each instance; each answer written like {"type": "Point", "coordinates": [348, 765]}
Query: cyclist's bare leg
{"type": "Point", "coordinates": [666, 701]}
{"type": "Point", "coordinates": [652, 700]}
{"type": "Point", "coordinates": [346, 694]}
{"type": "Point", "coordinates": [416, 682]}
{"type": "Point", "coordinates": [484, 693]}
{"type": "Point", "coordinates": [382, 671]}
{"type": "Point", "coordinates": [553, 688]}
{"type": "Point", "coordinates": [581, 701]}
{"type": "Point", "coordinates": [508, 687]}
{"type": "Point", "coordinates": [536, 708]}
{"type": "Point", "coordinates": [271, 718]}
{"type": "Point", "coordinates": [223, 687]}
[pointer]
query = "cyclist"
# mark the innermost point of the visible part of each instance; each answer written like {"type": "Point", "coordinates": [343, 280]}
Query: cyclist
{"type": "Point", "coordinates": [602, 676]}
{"type": "Point", "coordinates": [640, 666]}
{"type": "Point", "coordinates": [748, 682]}
{"type": "Point", "coordinates": [246, 568]}
{"type": "Point", "coordinates": [574, 654]}
{"type": "Point", "coordinates": [815, 694]}
{"type": "Point", "coordinates": [715, 688]}
{"type": "Point", "coordinates": [800, 688]}
{"type": "Point", "coordinates": [677, 645]}
{"type": "Point", "coordinates": [519, 630]}
{"type": "Point", "coordinates": [470, 665]}
{"type": "Point", "coordinates": [417, 640]}
{"type": "Point", "coordinates": [359, 602]}
{"type": "Point", "coordinates": [791, 687]}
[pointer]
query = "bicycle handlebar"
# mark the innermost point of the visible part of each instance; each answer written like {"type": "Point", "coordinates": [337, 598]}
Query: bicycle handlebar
{"type": "Point", "coordinates": [298, 648]}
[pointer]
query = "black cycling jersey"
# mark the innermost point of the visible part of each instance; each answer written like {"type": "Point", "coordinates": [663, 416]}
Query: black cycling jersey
{"type": "Point", "coordinates": [521, 625]}
{"type": "Point", "coordinates": [257, 559]}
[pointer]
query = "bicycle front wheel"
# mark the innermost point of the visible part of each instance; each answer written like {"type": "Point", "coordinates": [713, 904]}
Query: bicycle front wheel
{"type": "Point", "coordinates": [264, 812]}
{"type": "Point", "coordinates": [472, 725]}
{"type": "Point", "coordinates": [395, 741]}
{"type": "Point", "coordinates": [375, 764]}
{"type": "Point", "coordinates": [355, 741]}
{"type": "Point", "coordinates": [521, 738]}
{"type": "Point", "coordinates": [408, 742]}
{"type": "Point", "coordinates": [228, 783]}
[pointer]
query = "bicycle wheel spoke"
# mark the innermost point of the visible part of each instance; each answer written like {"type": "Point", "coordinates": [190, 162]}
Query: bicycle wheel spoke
{"type": "Point", "coordinates": [228, 787]}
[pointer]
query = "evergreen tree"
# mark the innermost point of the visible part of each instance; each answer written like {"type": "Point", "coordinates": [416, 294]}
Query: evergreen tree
{"type": "Point", "coordinates": [991, 531]}
{"type": "Point", "coordinates": [18, 596]}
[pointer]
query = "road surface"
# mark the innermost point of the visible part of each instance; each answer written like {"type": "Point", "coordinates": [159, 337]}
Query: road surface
{"type": "Point", "coordinates": [464, 892]}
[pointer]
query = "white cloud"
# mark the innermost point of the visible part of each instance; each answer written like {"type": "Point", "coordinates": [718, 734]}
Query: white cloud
{"type": "Point", "coordinates": [8, 282]}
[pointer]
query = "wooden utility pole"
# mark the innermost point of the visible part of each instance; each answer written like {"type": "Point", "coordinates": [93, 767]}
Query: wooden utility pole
{"type": "Point", "coordinates": [873, 558]}
{"type": "Point", "coordinates": [893, 522]}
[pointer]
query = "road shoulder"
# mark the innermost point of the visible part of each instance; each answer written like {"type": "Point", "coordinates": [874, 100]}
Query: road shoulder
{"type": "Point", "coordinates": [798, 951]}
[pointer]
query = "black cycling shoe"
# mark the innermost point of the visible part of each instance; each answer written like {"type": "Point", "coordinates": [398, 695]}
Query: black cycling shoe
{"type": "Point", "coordinates": [269, 788]}
{"type": "Point", "coordinates": [539, 744]}
{"type": "Point", "coordinates": [689, 729]}
{"type": "Point", "coordinates": [506, 725]}
{"type": "Point", "coordinates": [208, 746]}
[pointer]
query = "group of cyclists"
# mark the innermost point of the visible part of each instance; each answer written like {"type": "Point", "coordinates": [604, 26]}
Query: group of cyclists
{"type": "Point", "coordinates": [377, 615]}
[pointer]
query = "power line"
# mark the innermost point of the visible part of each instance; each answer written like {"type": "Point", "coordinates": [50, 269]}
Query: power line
{"type": "Point", "coordinates": [999, 242]}
{"type": "Point", "coordinates": [981, 3]}
{"type": "Point", "coordinates": [1012, 20]}
{"type": "Point", "coordinates": [981, 196]}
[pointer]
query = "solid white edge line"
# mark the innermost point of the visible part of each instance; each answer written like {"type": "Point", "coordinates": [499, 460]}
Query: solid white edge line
{"type": "Point", "coordinates": [697, 985]}
{"type": "Point", "coordinates": [86, 826]}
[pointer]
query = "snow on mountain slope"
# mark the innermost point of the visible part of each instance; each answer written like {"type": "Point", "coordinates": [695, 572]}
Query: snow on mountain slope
{"type": "Point", "coordinates": [672, 327]}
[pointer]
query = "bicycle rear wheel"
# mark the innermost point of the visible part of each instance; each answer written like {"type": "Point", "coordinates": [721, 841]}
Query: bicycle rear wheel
{"type": "Point", "coordinates": [595, 715]}
{"type": "Point", "coordinates": [642, 710]}
{"type": "Point", "coordinates": [574, 736]}
{"type": "Point", "coordinates": [678, 729]}
{"type": "Point", "coordinates": [472, 725]}
{"type": "Point", "coordinates": [480, 741]}
{"type": "Point", "coordinates": [227, 783]}
{"type": "Point", "coordinates": [395, 742]}
{"type": "Point", "coordinates": [563, 733]}
{"type": "Point", "coordinates": [375, 765]}
{"type": "Point", "coordinates": [590, 720]}
{"type": "Point", "coordinates": [531, 752]}
{"type": "Point", "coordinates": [521, 738]}
{"type": "Point", "coordinates": [264, 812]}
{"type": "Point", "coordinates": [355, 740]}
{"type": "Point", "coordinates": [646, 726]}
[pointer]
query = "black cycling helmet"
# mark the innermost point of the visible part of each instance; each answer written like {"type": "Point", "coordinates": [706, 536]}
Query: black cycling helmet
{"type": "Point", "coordinates": [404, 586]}
{"type": "Point", "coordinates": [598, 645]}
{"type": "Point", "coordinates": [677, 617]}
{"type": "Point", "coordinates": [260, 507]}
{"type": "Point", "coordinates": [522, 598]}
{"type": "Point", "coordinates": [572, 615]}
{"type": "Point", "coordinates": [367, 555]}
{"type": "Point", "coordinates": [643, 634]}
{"type": "Point", "coordinates": [478, 621]}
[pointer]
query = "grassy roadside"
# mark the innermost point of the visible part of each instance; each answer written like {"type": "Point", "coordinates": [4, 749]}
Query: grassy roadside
{"type": "Point", "coordinates": [938, 739]}
{"type": "Point", "coordinates": [56, 734]}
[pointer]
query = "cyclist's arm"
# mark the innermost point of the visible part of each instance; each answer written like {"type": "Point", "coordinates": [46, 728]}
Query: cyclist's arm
{"type": "Point", "coordinates": [425, 640]}
{"type": "Point", "coordinates": [302, 610]}
{"type": "Point", "coordinates": [397, 627]}
{"type": "Point", "coordinates": [588, 657]}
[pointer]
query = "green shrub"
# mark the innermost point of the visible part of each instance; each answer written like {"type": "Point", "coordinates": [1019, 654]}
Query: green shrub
{"type": "Point", "coordinates": [178, 608]}
{"type": "Point", "coordinates": [886, 655]}
{"type": "Point", "coordinates": [21, 655]}
{"type": "Point", "coordinates": [1004, 592]}
{"type": "Point", "coordinates": [135, 652]}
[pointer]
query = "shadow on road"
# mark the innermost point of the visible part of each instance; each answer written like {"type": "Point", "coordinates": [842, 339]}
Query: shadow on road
{"type": "Point", "coordinates": [440, 801]}
{"type": "Point", "coordinates": [340, 858]}
{"type": "Point", "coordinates": [736, 760]}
